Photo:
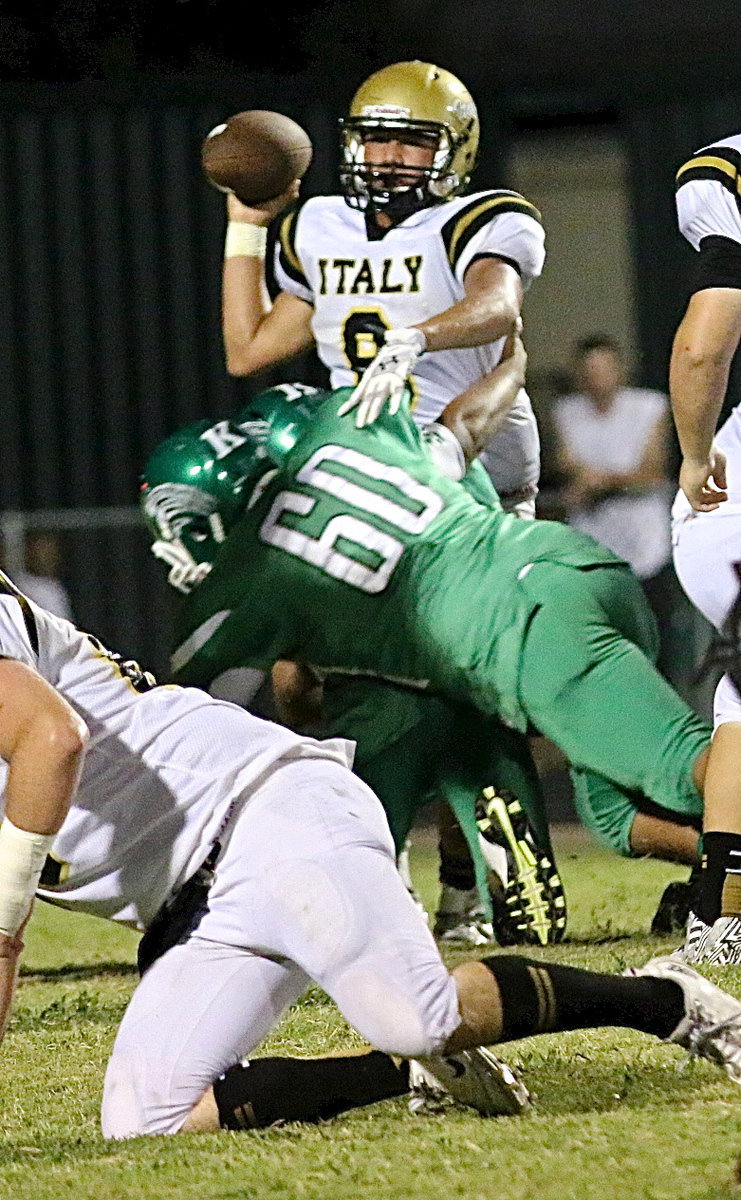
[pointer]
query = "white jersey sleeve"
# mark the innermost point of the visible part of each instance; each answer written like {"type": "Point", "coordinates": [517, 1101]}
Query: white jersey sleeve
{"type": "Point", "coordinates": [288, 270]}
{"type": "Point", "coordinates": [708, 200]}
{"type": "Point", "coordinates": [18, 636]}
{"type": "Point", "coordinates": [514, 234]}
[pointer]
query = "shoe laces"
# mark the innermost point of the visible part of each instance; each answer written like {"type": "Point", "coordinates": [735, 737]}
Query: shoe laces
{"type": "Point", "coordinates": [702, 1039]}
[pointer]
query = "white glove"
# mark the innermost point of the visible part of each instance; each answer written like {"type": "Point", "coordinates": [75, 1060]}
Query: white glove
{"type": "Point", "coordinates": [386, 377]}
{"type": "Point", "coordinates": [185, 573]}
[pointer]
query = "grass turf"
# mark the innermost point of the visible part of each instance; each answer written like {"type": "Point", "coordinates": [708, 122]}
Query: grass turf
{"type": "Point", "coordinates": [613, 1115]}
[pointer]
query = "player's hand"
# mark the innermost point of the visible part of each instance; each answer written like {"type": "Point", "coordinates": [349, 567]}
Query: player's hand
{"type": "Point", "coordinates": [386, 377]}
{"type": "Point", "coordinates": [261, 214]}
{"type": "Point", "coordinates": [704, 483]}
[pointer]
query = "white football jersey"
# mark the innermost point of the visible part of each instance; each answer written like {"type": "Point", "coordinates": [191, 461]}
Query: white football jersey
{"type": "Point", "coordinates": [709, 205]}
{"type": "Point", "coordinates": [708, 197]}
{"type": "Point", "coordinates": [164, 768]}
{"type": "Point", "coordinates": [360, 285]}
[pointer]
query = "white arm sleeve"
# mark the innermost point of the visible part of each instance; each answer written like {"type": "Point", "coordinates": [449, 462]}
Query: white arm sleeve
{"type": "Point", "coordinates": [704, 209]}
{"type": "Point", "coordinates": [445, 450]}
{"type": "Point", "coordinates": [513, 236]}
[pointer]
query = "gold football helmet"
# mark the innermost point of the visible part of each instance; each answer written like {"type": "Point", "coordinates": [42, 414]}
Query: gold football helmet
{"type": "Point", "coordinates": [420, 103]}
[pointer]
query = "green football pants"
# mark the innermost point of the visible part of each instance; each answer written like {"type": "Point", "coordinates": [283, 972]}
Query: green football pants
{"type": "Point", "coordinates": [413, 748]}
{"type": "Point", "coordinates": [588, 683]}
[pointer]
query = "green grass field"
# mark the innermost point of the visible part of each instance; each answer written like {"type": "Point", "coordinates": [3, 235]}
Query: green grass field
{"type": "Point", "coordinates": [614, 1116]}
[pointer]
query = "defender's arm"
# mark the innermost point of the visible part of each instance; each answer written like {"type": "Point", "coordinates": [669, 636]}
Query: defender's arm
{"type": "Point", "coordinates": [477, 413]}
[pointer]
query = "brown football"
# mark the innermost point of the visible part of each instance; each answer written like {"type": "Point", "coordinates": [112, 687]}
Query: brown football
{"type": "Point", "coordinates": [256, 155]}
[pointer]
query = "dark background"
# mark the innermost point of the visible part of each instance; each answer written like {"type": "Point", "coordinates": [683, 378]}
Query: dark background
{"type": "Point", "coordinates": [111, 239]}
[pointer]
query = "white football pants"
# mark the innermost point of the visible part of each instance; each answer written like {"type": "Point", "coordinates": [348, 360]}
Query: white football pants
{"type": "Point", "coordinates": [706, 548]}
{"type": "Point", "coordinates": [306, 888]}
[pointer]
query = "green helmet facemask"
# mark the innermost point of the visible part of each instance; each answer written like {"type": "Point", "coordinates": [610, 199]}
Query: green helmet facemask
{"type": "Point", "coordinates": [199, 481]}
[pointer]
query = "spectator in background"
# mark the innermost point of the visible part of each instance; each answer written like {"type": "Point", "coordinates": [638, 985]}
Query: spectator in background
{"type": "Point", "coordinates": [612, 452]}
{"type": "Point", "coordinates": [41, 580]}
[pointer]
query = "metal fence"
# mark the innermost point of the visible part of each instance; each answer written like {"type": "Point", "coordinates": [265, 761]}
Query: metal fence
{"type": "Point", "coordinates": [116, 589]}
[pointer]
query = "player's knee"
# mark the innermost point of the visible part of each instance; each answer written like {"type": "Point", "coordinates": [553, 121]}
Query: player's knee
{"type": "Point", "coordinates": [134, 1102]}
{"type": "Point", "coordinates": [614, 834]}
{"type": "Point", "coordinates": [399, 1019]}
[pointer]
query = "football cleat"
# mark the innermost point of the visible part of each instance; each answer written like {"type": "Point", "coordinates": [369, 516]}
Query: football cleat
{"type": "Point", "coordinates": [711, 1025]}
{"type": "Point", "coordinates": [695, 940]}
{"type": "Point", "coordinates": [529, 903]}
{"type": "Point", "coordinates": [676, 904]}
{"type": "Point", "coordinates": [461, 920]}
{"type": "Point", "coordinates": [475, 1078]}
{"type": "Point", "coordinates": [718, 944]}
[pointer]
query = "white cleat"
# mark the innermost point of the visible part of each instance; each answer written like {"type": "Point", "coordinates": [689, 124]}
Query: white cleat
{"type": "Point", "coordinates": [475, 1078]}
{"type": "Point", "coordinates": [695, 941]}
{"type": "Point", "coordinates": [722, 946]}
{"type": "Point", "coordinates": [711, 1025]}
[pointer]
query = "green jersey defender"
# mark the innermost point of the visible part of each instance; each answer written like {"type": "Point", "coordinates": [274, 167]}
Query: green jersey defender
{"type": "Point", "coordinates": [358, 555]}
{"type": "Point", "coordinates": [411, 747]}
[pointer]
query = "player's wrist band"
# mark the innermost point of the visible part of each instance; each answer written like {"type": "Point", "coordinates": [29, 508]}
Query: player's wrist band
{"type": "Point", "coordinates": [244, 240]}
{"type": "Point", "coordinates": [22, 857]}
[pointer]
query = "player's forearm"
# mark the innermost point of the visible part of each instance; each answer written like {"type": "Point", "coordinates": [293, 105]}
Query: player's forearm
{"type": "Point", "coordinates": [476, 415]}
{"type": "Point", "coordinates": [297, 693]}
{"type": "Point", "coordinates": [698, 384]}
{"type": "Point", "coordinates": [473, 321]}
{"type": "Point", "coordinates": [703, 349]}
{"type": "Point", "coordinates": [10, 954]}
{"type": "Point", "coordinates": [245, 304]}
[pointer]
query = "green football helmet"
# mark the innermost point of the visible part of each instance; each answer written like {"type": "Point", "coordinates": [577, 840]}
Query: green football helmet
{"type": "Point", "coordinates": [199, 481]}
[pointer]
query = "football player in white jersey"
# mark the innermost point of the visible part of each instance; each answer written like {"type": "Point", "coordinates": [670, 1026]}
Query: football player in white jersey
{"type": "Point", "coordinates": [707, 511]}
{"type": "Point", "coordinates": [400, 279]}
{"type": "Point", "coordinates": [116, 792]}
{"type": "Point", "coordinates": [401, 263]}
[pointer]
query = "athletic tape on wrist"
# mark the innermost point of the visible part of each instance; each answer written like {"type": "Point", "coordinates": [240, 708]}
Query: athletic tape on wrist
{"type": "Point", "coordinates": [246, 241]}
{"type": "Point", "coordinates": [22, 857]}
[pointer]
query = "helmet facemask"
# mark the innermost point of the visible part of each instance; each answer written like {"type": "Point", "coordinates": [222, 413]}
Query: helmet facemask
{"type": "Point", "coordinates": [419, 104]}
{"type": "Point", "coordinates": [189, 528]}
{"type": "Point", "coordinates": [392, 187]}
{"type": "Point", "coordinates": [200, 480]}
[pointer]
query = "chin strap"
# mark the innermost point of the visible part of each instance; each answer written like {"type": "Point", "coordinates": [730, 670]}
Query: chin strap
{"type": "Point", "coordinates": [185, 573]}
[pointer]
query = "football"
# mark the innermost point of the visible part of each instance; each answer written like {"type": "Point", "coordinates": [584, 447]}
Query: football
{"type": "Point", "coordinates": [256, 155]}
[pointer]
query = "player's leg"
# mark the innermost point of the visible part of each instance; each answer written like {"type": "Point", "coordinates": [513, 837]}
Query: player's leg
{"type": "Point", "coordinates": [324, 892]}
{"type": "Point", "coordinates": [501, 999]}
{"type": "Point", "coordinates": [198, 1010]}
{"type": "Point", "coordinates": [394, 989]}
{"type": "Point", "coordinates": [206, 1003]}
{"type": "Point", "coordinates": [505, 824]}
{"type": "Point", "coordinates": [707, 549]}
{"type": "Point", "coordinates": [714, 928]}
{"type": "Point", "coordinates": [509, 997]}
{"type": "Point", "coordinates": [587, 682]}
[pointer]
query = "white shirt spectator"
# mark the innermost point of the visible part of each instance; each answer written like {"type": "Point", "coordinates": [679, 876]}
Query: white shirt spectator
{"type": "Point", "coordinates": [47, 592]}
{"type": "Point", "coordinates": [635, 524]}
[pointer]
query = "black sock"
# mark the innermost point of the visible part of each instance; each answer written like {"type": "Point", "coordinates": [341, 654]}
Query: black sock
{"type": "Point", "coordinates": [540, 997]}
{"type": "Point", "coordinates": [720, 894]}
{"type": "Point", "coordinates": [263, 1091]}
{"type": "Point", "coordinates": [457, 873]}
